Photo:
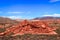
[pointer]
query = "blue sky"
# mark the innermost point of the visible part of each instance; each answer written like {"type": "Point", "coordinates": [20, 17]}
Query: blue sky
{"type": "Point", "coordinates": [29, 8]}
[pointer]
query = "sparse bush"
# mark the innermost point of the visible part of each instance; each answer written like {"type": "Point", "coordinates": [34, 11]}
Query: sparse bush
{"type": "Point", "coordinates": [2, 29]}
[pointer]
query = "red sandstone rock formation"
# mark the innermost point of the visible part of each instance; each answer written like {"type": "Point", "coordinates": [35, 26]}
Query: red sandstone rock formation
{"type": "Point", "coordinates": [29, 27]}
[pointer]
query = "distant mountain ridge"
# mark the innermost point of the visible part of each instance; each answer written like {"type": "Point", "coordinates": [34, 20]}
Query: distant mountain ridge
{"type": "Point", "coordinates": [7, 20]}
{"type": "Point", "coordinates": [48, 17]}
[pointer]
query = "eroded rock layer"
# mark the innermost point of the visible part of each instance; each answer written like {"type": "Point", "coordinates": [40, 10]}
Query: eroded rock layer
{"type": "Point", "coordinates": [29, 27]}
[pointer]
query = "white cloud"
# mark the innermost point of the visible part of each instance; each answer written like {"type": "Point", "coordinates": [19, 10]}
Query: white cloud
{"type": "Point", "coordinates": [54, 0]}
{"type": "Point", "coordinates": [15, 12]}
{"type": "Point", "coordinates": [54, 15]}
{"type": "Point", "coordinates": [28, 12]}
{"type": "Point", "coordinates": [18, 17]}
{"type": "Point", "coordinates": [13, 17]}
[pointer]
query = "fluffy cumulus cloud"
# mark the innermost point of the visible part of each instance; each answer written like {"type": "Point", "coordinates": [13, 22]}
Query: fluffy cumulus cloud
{"type": "Point", "coordinates": [54, 0]}
{"type": "Point", "coordinates": [54, 15]}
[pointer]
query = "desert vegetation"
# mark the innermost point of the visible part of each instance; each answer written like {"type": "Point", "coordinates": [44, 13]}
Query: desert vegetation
{"type": "Point", "coordinates": [31, 37]}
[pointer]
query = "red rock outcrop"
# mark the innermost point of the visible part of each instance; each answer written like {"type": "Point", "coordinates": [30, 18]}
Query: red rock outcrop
{"type": "Point", "coordinates": [29, 27]}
